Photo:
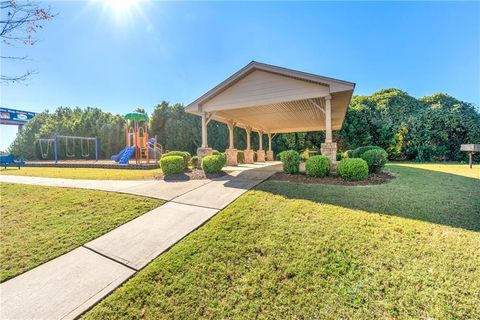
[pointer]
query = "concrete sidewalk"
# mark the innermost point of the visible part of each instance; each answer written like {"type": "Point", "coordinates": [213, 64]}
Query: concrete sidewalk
{"type": "Point", "coordinates": [66, 287]}
{"type": "Point", "coordinates": [160, 189]}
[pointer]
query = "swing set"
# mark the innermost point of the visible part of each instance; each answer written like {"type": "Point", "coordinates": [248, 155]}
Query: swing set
{"type": "Point", "coordinates": [70, 146]}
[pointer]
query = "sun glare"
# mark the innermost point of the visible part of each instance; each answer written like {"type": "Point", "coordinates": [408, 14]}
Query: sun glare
{"type": "Point", "coordinates": [120, 7]}
{"type": "Point", "coordinates": [123, 11]}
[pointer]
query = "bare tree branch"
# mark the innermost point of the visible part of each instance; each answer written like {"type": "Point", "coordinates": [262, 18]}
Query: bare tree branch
{"type": "Point", "coordinates": [15, 58]}
{"type": "Point", "coordinates": [19, 23]}
{"type": "Point", "coordinates": [12, 79]}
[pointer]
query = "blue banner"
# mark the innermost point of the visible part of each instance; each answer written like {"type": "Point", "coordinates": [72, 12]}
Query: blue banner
{"type": "Point", "coordinates": [12, 116]}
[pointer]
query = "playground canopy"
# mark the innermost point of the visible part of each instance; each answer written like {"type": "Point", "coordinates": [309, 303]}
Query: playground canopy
{"type": "Point", "coordinates": [270, 99]}
{"type": "Point", "coordinates": [136, 116]}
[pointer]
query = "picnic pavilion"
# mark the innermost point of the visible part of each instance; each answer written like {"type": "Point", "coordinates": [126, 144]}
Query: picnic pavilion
{"type": "Point", "coordinates": [268, 100]}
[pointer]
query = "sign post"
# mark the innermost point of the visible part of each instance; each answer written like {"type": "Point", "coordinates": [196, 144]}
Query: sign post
{"type": "Point", "coordinates": [15, 117]}
{"type": "Point", "coordinates": [471, 149]}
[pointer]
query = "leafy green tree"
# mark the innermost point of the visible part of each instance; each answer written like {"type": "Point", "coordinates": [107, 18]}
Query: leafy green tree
{"type": "Point", "coordinates": [89, 122]}
{"type": "Point", "coordinates": [426, 129]}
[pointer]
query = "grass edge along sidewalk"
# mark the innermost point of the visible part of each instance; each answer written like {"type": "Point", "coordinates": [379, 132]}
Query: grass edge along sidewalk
{"type": "Point", "coordinates": [41, 223]}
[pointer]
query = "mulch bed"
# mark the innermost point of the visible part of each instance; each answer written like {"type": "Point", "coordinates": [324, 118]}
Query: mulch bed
{"type": "Point", "coordinates": [373, 179]}
{"type": "Point", "coordinates": [193, 174]}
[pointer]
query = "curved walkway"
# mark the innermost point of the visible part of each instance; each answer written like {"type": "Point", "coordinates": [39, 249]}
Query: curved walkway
{"type": "Point", "coordinates": [66, 287]}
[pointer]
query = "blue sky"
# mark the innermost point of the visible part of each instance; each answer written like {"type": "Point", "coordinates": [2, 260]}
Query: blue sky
{"type": "Point", "coordinates": [94, 55]}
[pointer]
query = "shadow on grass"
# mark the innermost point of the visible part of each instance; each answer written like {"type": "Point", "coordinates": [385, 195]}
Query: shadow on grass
{"type": "Point", "coordinates": [425, 195]}
{"type": "Point", "coordinates": [9, 168]}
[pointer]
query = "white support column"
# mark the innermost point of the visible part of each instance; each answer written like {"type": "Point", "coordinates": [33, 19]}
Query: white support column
{"type": "Point", "coordinates": [329, 148]}
{"type": "Point", "coordinates": [204, 130]}
{"type": "Point", "coordinates": [270, 152]}
{"type": "Point", "coordinates": [204, 150]}
{"type": "Point", "coordinates": [231, 152]}
{"type": "Point", "coordinates": [248, 153]}
{"type": "Point", "coordinates": [260, 140]}
{"type": "Point", "coordinates": [260, 151]}
{"type": "Point", "coordinates": [328, 119]}
{"type": "Point", "coordinates": [231, 128]}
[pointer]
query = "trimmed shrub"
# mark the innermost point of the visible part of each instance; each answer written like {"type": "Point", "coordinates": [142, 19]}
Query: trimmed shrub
{"type": "Point", "coordinates": [213, 163]}
{"type": "Point", "coordinates": [357, 153]}
{"type": "Point", "coordinates": [184, 154]}
{"type": "Point", "coordinates": [195, 162]}
{"type": "Point", "coordinates": [171, 165]}
{"type": "Point", "coordinates": [353, 169]}
{"type": "Point", "coordinates": [317, 166]}
{"type": "Point", "coordinates": [291, 161]}
{"type": "Point", "coordinates": [376, 159]}
{"type": "Point", "coordinates": [278, 156]}
{"type": "Point", "coordinates": [240, 156]}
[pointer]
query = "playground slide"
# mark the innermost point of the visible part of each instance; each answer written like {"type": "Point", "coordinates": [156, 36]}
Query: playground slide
{"type": "Point", "coordinates": [151, 150]}
{"type": "Point", "coordinates": [151, 144]}
{"type": "Point", "coordinates": [117, 157]}
{"type": "Point", "coordinates": [127, 154]}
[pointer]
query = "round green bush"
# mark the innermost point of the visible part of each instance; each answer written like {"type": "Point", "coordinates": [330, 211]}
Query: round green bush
{"type": "Point", "coordinates": [278, 156]}
{"type": "Point", "coordinates": [171, 165]}
{"type": "Point", "coordinates": [291, 161]}
{"type": "Point", "coordinates": [317, 166]}
{"type": "Point", "coordinates": [240, 157]}
{"type": "Point", "coordinates": [353, 169]}
{"type": "Point", "coordinates": [376, 159]}
{"type": "Point", "coordinates": [184, 154]}
{"type": "Point", "coordinates": [195, 162]}
{"type": "Point", "coordinates": [357, 153]}
{"type": "Point", "coordinates": [213, 163]}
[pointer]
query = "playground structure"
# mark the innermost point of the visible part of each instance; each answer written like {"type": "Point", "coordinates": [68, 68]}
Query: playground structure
{"type": "Point", "coordinates": [138, 144]}
{"type": "Point", "coordinates": [70, 146]}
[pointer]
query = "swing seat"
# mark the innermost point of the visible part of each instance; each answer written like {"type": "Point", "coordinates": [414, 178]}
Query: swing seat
{"type": "Point", "coordinates": [8, 161]}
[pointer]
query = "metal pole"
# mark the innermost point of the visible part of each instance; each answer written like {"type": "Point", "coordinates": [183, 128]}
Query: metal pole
{"type": "Point", "coordinates": [55, 143]}
{"type": "Point", "coordinates": [470, 158]}
{"type": "Point", "coordinates": [155, 148]}
{"type": "Point", "coordinates": [145, 143]}
{"type": "Point", "coordinates": [96, 148]}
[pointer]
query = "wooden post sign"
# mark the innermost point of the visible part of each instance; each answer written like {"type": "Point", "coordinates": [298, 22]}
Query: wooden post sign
{"type": "Point", "coordinates": [471, 149]}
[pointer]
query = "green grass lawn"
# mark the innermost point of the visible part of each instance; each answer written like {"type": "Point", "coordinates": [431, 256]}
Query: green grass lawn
{"type": "Point", "coordinates": [83, 173]}
{"type": "Point", "coordinates": [409, 249]}
{"type": "Point", "coordinates": [40, 223]}
{"type": "Point", "coordinates": [452, 168]}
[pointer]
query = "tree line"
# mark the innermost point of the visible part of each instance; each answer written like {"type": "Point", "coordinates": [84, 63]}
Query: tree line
{"type": "Point", "coordinates": [426, 129]}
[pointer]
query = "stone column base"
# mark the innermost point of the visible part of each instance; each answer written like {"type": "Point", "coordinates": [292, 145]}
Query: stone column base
{"type": "Point", "coordinates": [329, 149]}
{"type": "Point", "coordinates": [203, 152]}
{"type": "Point", "coordinates": [231, 157]}
{"type": "Point", "coordinates": [261, 155]}
{"type": "Point", "coordinates": [248, 156]}
{"type": "Point", "coordinates": [270, 156]}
